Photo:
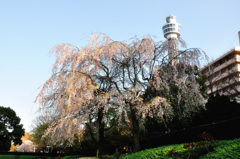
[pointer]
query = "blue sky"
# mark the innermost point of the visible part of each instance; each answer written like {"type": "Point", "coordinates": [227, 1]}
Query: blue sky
{"type": "Point", "coordinates": [29, 29]}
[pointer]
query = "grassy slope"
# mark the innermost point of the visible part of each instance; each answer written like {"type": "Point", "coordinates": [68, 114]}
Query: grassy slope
{"type": "Point", "coordinates": [222, 149]}
{"type": "Point", "coordinates": [225, 149]}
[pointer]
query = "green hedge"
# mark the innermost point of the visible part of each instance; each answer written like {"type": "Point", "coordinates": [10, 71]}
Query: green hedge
{"type": "Point", "coordinates": [223, 130]}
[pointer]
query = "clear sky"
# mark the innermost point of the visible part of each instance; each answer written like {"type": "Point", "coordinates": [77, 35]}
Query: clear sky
{"type": "Point", "coordinates": [30, 28]}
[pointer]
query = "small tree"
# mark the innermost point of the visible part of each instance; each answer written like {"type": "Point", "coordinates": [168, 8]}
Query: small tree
{"type": "Point", "coordinates": [10, 128]}
{"type": "Point", "coordinates": [40, 125]}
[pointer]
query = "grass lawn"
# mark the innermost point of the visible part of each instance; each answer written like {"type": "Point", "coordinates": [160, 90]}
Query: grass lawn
{"type": "Point", "coordinates": [74, 157]}
{"type": "Point", "coordinates": [36, 157]}
{"type": "Point", "coordinates": [88, 158]}
{"type": "Point", "coordinates": [22, 157]}
{"type": "Point", "coordinates": [217, 150]}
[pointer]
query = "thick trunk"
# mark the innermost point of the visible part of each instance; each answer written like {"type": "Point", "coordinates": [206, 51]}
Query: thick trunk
{"type": "Point", "coordinates": [135, 130]}
{"type": "Point", "coordinates": [91, 133]}
{"type": "Point", "coordinates": [100, 131]}
{"type": "Point", "coordinates": [101, 140]}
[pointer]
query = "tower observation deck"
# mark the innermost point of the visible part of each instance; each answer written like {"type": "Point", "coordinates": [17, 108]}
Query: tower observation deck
{"type": "Point", "coordinates": [171, 31]}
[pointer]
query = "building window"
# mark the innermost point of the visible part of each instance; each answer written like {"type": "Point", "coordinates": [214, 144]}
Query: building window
{"type": "Point", "coordinates": [225, 81]}
{"type": "Point", "coordinates": [217, 74]}
{"type": "Point", "coordinates": [235, 87]}
{"type": "Point", "coordinates": [235, 77]}
{"type": "Point", "coordinates": [222, 62]}
{"type": "Point", "coordinates": [232, 57]}
{"type": "Point", "coordinates": [224, 70]}
{"type": "Point", "coordinates": [216, 65]}
{"type": "Point", "coordinates": [233, 67]}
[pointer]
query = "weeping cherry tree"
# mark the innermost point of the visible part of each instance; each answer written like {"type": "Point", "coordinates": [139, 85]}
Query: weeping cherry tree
{"type": "Point", "coordinates": [87, 82]}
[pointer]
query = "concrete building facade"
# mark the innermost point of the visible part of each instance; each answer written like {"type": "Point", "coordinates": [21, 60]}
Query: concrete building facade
{"type": "Point", "coordinates": [223, 74]}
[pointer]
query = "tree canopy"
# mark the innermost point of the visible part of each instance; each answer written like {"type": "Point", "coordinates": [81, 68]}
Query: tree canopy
{"type": "Point", "coordinates": [10, 128]}
{"type": "Point", "coordinates": [87, 82]}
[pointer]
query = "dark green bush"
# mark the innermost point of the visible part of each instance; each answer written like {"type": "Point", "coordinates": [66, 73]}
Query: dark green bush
{"type": "Point", "coordinates": [223, 130]}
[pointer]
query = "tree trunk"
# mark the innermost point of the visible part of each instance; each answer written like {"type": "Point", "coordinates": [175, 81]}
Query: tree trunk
{"type": "Point", "coordinates": [135, 130]}
{"type": "Point", "coordinates": [100, 131]}
{"type": "Point", "coordinates": [91, 133]}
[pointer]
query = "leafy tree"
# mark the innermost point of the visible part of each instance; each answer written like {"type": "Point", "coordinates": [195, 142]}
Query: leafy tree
{"type": "Point", "coordinates": [105, 75]}
{"type": "Point", "coordinates": [10, 128]}
{"type": "Point", "coordinates": [41, 123]}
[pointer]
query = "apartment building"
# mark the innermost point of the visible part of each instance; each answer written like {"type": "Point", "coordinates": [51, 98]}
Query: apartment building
{"type": "Point", "coordinates": [223, 74]}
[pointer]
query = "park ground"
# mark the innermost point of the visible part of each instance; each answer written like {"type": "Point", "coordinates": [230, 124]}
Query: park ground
{"type": "Point", "coordinates": [203, 149]}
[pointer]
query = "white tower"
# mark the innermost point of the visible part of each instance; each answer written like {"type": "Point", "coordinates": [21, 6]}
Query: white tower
{"type": "Point", "coordinates": [171, 31]}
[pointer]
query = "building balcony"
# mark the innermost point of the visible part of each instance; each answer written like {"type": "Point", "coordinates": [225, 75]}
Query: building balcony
{"type": "Point", "coordinates": [234, 51]}
{"type": "Point", "coordinates": [224, 65]}
{"type": "Point", "coordinates": [226, 75]}
{"type": "Point", "coordinates": [226, 89]}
